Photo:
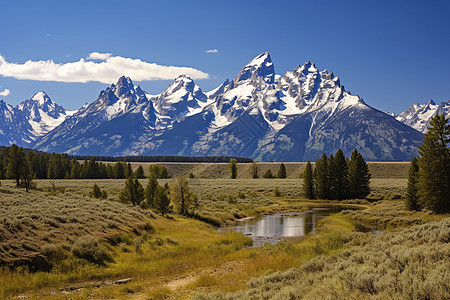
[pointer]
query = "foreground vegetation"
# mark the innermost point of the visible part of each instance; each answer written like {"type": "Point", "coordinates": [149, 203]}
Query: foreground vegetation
{"type": "Point", "coordinates": [90, 242]}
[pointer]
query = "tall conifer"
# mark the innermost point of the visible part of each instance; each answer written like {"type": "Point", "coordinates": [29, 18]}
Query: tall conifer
{"type": "Point", "coordinates": [434, 166]}
{"type": "Point", "coordinates": [321, 177]}
{"type": "Point", "coordinates": [412, 191]}
{"type": "Point", "coordinates": [308, 182]}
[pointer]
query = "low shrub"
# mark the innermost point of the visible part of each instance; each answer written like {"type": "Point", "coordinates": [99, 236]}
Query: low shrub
{"type": "Point", "coordinates": [88, 248]}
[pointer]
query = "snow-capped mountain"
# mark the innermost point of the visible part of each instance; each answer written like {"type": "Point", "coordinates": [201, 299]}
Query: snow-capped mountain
{"type": "Point", "coordinates": [107, 125]}
{"type": "Point", "coordinates": [30, 120]}
{"type": "Point", "coordinates": [258, 114]}
{"type": "Point", "coordinates": [418, 116]}
{"type": "Point", "coordinates": [181, 98]}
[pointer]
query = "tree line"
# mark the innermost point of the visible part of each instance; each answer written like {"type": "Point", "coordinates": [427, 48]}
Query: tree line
{"type": "Point", "coordinates": [25, 165]}
{"type": "Point", "coordinates": [144, 158]}
{"type": "Point", "coordinates": [337, 177]}
{"type": "Point", "coordinates": [429, 174]}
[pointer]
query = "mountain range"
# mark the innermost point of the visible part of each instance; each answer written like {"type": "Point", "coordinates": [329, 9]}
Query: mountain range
{"type": "Point", "coordinates": [259, 114]}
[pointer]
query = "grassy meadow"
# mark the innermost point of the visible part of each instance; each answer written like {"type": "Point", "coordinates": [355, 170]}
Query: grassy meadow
{"type": "Point", "coordinates": [174, 257]}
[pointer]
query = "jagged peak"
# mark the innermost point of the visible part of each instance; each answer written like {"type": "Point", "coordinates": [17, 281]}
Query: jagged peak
{"type": "Point", "coordinates": [182, 81]}
{"type": "Point", "coordinates": [260, 66]}
{"type": "Point", "coordinates": [41, 97]}
{"type": "Point", "coordinates": [430, 102]}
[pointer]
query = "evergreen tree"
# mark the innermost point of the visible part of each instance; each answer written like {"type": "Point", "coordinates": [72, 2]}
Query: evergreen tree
{"type": "Point", "coordinates": [268, 174]}
{"type": "Point", "coordinates": [308, 182]}
{"type": "Point", "coordinates": [26, 176]}
{"type": "Point", "coordinates": [412, 191]}
{"type": "Point", "coordinates": [128, 170]}
{"type": "Point", "coordinates": [181, 196]}
{"type": "Point", "coordinates": [434, 166]}
{"type": "Point", "coordinates": [15, 165]}
{"type": "Point", "coordinates": [132, 192]}
{"type": "Point", "coordinates": [162, 201]}
{"type": "Point", "coordinates": [340, 181]}
{"type": "Point", "coordinates": [359, 176]}
{"type": "Point", "coordinates": [321, 179]}
{"type": "Point", "coordinates": [139, 172]}
{"type": "Point", "coordinates": [255, 170]}
{"type": "Point", "coordinates": [331, 169]}
{"type": "Point", "coordinates": [150, 189]}
{"type": "Point", "coordinates": [110, 171]}
{"type": "Point", "coordinates": [233, 168]}
{"type": "Point", "coordinates": [281, 171]}
{"type": "Point", "coordinates": [96, 192]}
{"type": "Point", "coordinates": [159, 171]}
{"type": "Point", "coordinates": [119, 170]}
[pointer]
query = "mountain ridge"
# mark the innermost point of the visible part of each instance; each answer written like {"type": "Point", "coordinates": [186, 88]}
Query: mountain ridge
{"type": "Point", "coordinates": [258, 114]}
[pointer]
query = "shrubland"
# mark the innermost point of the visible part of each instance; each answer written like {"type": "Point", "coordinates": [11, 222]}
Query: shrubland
{"type": "Point", "coordinates": [89, 243]}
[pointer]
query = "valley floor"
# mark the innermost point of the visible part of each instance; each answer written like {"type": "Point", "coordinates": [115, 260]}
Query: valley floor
{"type": "Point", "coordinates": [178, 258]}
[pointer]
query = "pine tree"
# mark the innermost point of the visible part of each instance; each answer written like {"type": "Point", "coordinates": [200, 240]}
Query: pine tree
{"type": "Point", "coordinates": [119, 170]}
{"type": "Point", "coordinates": [281, 171]}
{"type": "Point", "coordinates": [412, 191]}
{"type": "Point", "coordinates": [96, 192]}
{"type": "Point", "coordinates": [26, 176]}
{"type": "Point", "coordinates": [359, 176]}
{"type": "Point", "coordinates": [233, 168]}
{"type": "Point", "coordinates": [308, 182]}
{"type": "Point", "coordinates": [181, 196]}
{"type": "Point", "coordinates": [15, 166]}
{"type": "Point", "coordinates": [162, 201]}
{"type": "Point", "coordinates": [128, 170]}
{"type": "Point", "coordinates": [132, 192]}
{"type": "Point", "coordinates": [340, 176]}
{"type": "Point", "coordinates": [268, 174]}
{"type": "Point", "coordinates": [149, 192]}
{"type": "Point", "coordinates": [255, 170]}
{"type": "Point", "coordinates": [331, 169]}
{"type": "Point", "coordinates": [321, 179]}
{"type": "Point", "coordinates": [434, 166]}
{"type": "Point", "coordinates": [139, 172]}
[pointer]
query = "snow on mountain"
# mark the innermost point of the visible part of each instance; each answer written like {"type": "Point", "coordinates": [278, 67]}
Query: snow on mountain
{"type": "Point", "coordinates": [181, 98]}
{"type": "Point", "coordinates": [121, 113]}
{"type": "Point", "coordinates": [42, 114]}
{"type": "Point", "coordinates": [418, 116]}
{"type": "Point", "coordinates": [258, 114]}
{"type": "Point", "coordinates": [30, 120]}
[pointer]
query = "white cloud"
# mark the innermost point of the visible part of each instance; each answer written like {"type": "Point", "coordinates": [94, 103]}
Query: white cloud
{"type": "Point", "coordinates": [100, 56]}
{"type": "Point", "coordinates": [212, 51]}
{"type": "Point", "coordinates": [106, 71]}
{"type": "Point", "coordinates": [5, 93]}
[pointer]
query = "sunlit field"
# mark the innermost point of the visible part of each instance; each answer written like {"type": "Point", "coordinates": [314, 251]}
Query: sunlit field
{"type": "Point", "coordinates": [43, 232]}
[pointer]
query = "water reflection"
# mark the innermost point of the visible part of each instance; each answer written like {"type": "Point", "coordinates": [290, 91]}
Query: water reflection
{"type": "Point", "coordinates": [284, 225]}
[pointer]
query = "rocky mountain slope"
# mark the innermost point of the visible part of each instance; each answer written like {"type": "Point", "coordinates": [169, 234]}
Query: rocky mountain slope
{"type": "Point", "coordinates": [27, 122]}
{"type": "Point", "coordinates": [418, 116]}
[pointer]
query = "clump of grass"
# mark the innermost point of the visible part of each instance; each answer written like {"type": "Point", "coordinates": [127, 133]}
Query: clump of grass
{"type": "Point", "coordinates": [88, 247]}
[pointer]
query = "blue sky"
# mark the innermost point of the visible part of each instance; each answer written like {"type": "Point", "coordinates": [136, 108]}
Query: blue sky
{"type": "Point", "coordinates": [391, 53]}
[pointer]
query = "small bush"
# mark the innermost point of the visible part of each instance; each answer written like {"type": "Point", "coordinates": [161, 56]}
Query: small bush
{"type": "Point", "coordinates": [97, 192]}
{"type": "Point", "coordinates": [87, 247]}
{"type": "Point", "coordinates": [276, 192]}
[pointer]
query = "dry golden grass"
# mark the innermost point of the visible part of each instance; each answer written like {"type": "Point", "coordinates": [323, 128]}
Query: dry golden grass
{"type": "Point", "coordinates": [161, 257]}
{"type": "Point", "coordinates": [29, 221]}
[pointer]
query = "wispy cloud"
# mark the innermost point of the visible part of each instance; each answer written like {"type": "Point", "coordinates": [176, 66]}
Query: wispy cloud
{"type": "Point", "coordinates": [5, 93]}
{"type": "Point", "coordinates": [212, 51]}
{"type": "Point", "coordinates": [107, 70]}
